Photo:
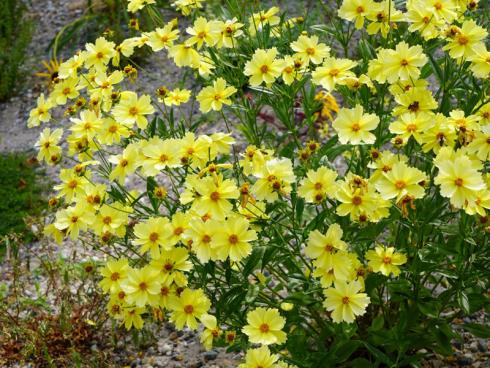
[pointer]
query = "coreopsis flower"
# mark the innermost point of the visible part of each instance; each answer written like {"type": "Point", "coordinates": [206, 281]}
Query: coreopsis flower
{"type": "Point", "coordinates": [258, 20]}
{"type": "Point", "coordinates": [203, 237]}
{"type": "Point", "coordinates": [103, 87]}
{"type": "Point", "coordinates": [177, 97]}
{"type": "Point", "coordinates": [215, 194]}
{"type": "Point", "coordinates": [112, 132]}
{"type": "Point", "coordinates": [64, 90]}
{"type": "Point", "coordinates": [318, 185]}
{"type": "Point", "coordinates": [69, 68]}
{"type": "Point", "coordinates": [168, 291]}
{"type": "Point", "coordinates": [339, 267]}
{"type": "Point", "coordinates": [184, 55]}
{"type": "Point", "coordinates": [159, 154]}
{"type": "Point", "coordinates": [40, 114]}
{"type": "Point", "coordinates": [345, 301]}
{"type": "Point", "coordinates": [274, 178]}
{"type": "Point", "coordinates": [463, 44]}
{"type": "Point", "coordinates": [190, 306]}
{"type": "Point", "coordinates": [484, 114]}
{"type": "Point", "coordinates": [309, 49]}
{"type": "Point", "coordinates": [416, 100]}
{"type": "Point", "coordinates": [480, 145]}
{"type": "Point", "coordinates": [133, 110]}
{"type": "Point", "coordinates": [113, 273]}
{"type": "Point", "coordinates": [321, 247]}
{"type": "Point", "coordinates": [132, 317]}
{"type": "Point", "coordinates": [480, 61]}
{"type": "Point", "coordinates": [264, 326]}
{"type": "Point", "coordinates": [211, 331]}
{"type": "Point", "coordinates": [459, 179]}
{"type": "Point", "coordinates": [52, 232]}
{"type": "Point", "coordinates": [141, 286]}
{"type": "Point", "coordinates": [94, 194]}
{"type": "Point", "coordinates": [71, 185]}
{"type": "Point", "coordinates": [186, 6]}
{"type": "Point", "coordinates": [403, 62]}
{"type": "Point", "coordinates": [442, 9]}
{"type": "Point", "coordinates": [353, 126]}
{"type": "Point", "coordinates": [48, 145]}
{"type": "Point", "coordinates": [441, 134]}
{"type": "Point", "coordinates": [480, 205]}
{"type": "Point", "coordinates": [163, 38]}
{"type": "Point", "coordinates": [412, 125]}
{"type": "Point", "coordinates": [74, 219]}
{"type": "Point", "coordinates": [422, 19]}
{"type": "Point", "coordinates": [355, 11]}
{"type": "Point", "coordinates": [233, 239]}
{"type": "Point", "coordinates": [111, 220]}
{"type": "Point", "coordinates": [385, 260]}
{"type": "Point", "coordinates": [254, 158]}
{"type": "Point", "coordinates": [230, 30]}
{"type": "Point", "coordinates": [126, 163]}
{"type": "Point", "coordinates": [87, 126]}
{"type": "Point", "coordinates": [263, 67]}
{"type": "Point", "coordinates": [135, 5]}
{"type": "Point", "coordinates": [152, 235]}
{"type": "Point", "coordinates": [203, 32]}
{"type": "Point", "coordinates": [383, 16]}
{"type": "Point", "coordinates": [260, 358]}
{"type": "Point", "coordinates": [99, 54]}
{"type": "Point", "coordinates": [332, 72]}
{"type": "Point", "coordinates": [215, 96]}
{"type": "Point", "coordinates": [402, 181]}
{"type": "Point", "coordinates": [171, 264]}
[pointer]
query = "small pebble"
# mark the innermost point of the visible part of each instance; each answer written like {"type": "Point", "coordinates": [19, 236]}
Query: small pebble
{"type": "Point", "coordinates": [210, 355]}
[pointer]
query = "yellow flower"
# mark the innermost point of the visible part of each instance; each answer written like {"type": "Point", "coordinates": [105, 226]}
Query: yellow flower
{"type": "Point", "coordinates": [152, 235]}
{"type": "Point", "coordinates": [215, 96]}
{"type": "Point", "coordinates": [264, 326]}
{"type": "Point", "coordinates": [71, 184]}
{"type": "Point", "coordinates": [480, 61]}
{"type": "Point", "coordinates": [162, 38]}
{"type": "Point", "coordinates": [40, 114]}
{"type": "Point", "coordinates": [332, 72]}
{"type": "Point", "coordinates": [215, 194]}
{"type": "Point", "coordinates": [403, 63]}
{"type": "Point", "coordinates": [338, 267]}
{"type": "Point", "coordinates": [401, 181]}
{"type": "Point", "coordinates": [441, 134]}
{"type": "Point", "coordinates": [385, 260]}
{"type": "Point", "coordinates": [460, 181]}
{"type": "Point", "coordinates": [233, 239]}
{"type": "Point", "coordinates": [113, 273]}
{"type": "Point", "coordinates": [184, 55]}
{"type": "Point", "coordinates": [345, 301]}
{"type": "Point", "coordinates": [412, 125]}
{"type": "Point", "coordinates": [132, 110]}
{"type": "Point", "coordinates": [52, 232]}
{"type": "Point", "coordinates": [111, 132]}
{"type": "Point", "coordinates": [383, 16]}
{"type": "Point", "coordinates": [69, 68]}
{"type": "Point", "coordinates": [188, 307]}
{"type": "Point", "coordinates": [274, 178]}
{"type": "Point", "coordinates": [309, 50]}
{"type": "Point", "coordinates": [211, 331]}
{"type": "Point", "coordinates": [423, 20]}
{"type": "Point", "coordinates": [132, 317]}
{"type": "Point", "coordinates": [103, 87]}
{"type": "Point", "coordinates": [259, 20]}
{"type": "Point", "coordinates": [177, 97]}
{"type": "Point", "coordinates": [229, 31]}
{"type": "Point", "coordinates": [259, 358]}
{"type": "Point", "coordinates": [48, 145]}
{"type": "Point", "coordinates": [126, 163]}
{"type": "Point", "coordinates": [264, 67]}
{"type": "Point", "coordinates": [355, 11]}
{"type": "Point", "coordinates": [111, 220]}
{"type": "Point", "coordinates": [99, 54]}
{"type": "Point", "coordinates": [463, 44]}
{"type": "Point", "coordinates": [442, 9]}
{"type": "Point", "coordinates": [64, 90]}
{"type": "Point", "coordinates": [318, 185]}
{"type": "Point", "coordinates": [480, 146]}
{"type": "Point", "coordinates": [74, 219]}
{"type": "Point", "coordinates": [202, 32]}
{"type": "Point", "coordinates": [135, 5]}
{"type": "Point", "coordinates": [322, 246]}
{"type": "Point", "coordinates": [87, 126]}
{"type": "Point", "coordinates": [157, 155]}
{"type": "Point", "coordinates": [141, 286]}
{"type": "Point", "coordinates": [416, 100]}
{"type": "Point", "coordinates": [353, 126]}
{"type": "Point", "coordinates": [171, 264]}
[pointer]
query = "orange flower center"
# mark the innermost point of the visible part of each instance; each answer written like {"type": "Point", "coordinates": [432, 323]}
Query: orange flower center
{"type": "Point", "coordinates": [264, 328]}
{"type": "Point", "coordinates": [189, 309]}
{"type": "Point", "coordinates": [458, 182]}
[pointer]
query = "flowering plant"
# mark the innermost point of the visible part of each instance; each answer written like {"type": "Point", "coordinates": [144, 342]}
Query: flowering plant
{"type": "Point", "coordinates": [303, 232]}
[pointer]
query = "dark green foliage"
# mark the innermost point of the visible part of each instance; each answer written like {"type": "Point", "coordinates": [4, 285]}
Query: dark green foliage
{"type": "Point", "coordinates": [15, 35]}
{"type": "Point", "coordinates": [20, 194]}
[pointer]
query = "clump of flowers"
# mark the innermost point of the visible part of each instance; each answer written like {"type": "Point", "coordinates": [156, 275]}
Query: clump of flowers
{"type": "Point", "coordinates": [298, 243]}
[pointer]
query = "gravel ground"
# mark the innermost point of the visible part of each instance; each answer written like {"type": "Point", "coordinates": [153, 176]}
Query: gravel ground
{"type": "Point", "coordinates": [173, 348]}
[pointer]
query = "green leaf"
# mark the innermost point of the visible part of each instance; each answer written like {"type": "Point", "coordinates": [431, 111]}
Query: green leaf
{"type": "Point", "coordinates": [346, 349]}
{"type": "Point", "coordinates": [377, 324]}
{"type": "Point", "coordinates": [463, 302]}
{"type": "Point", "coordinates": [478, 330]}
{"type": "Point", "coordinates": [253, 260]}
